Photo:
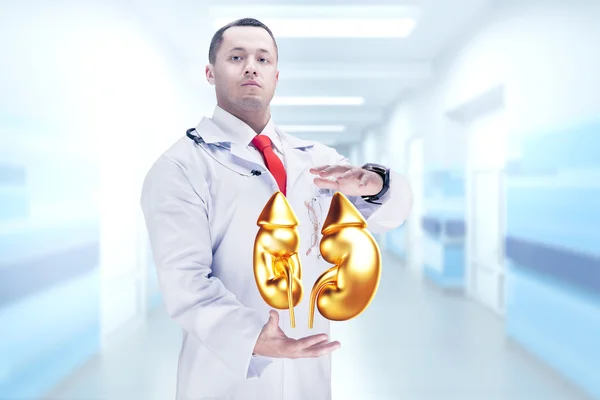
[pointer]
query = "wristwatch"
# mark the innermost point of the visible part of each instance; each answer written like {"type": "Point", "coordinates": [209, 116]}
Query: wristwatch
{"type": "Point", "coordinates": [385, 175]}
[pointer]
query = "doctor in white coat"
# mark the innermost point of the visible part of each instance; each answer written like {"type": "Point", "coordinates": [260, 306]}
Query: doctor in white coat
{"type": "Point", "coordinates": [201, 200]}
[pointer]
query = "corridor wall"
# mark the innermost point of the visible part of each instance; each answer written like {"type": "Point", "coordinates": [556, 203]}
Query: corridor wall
{"type": "Point", "coordinates": [49, 255]}
{"type": "Point", "coordinates": [444, 228]}
{"type": "Point", "coordinates": [553, 257]}
{"type": "Point", "coordinates": [50, 276]}
{"type": "Point", "coordinates": [394, 137]}
{"type": "Point", "coordinates": [544, 56]}
{"type": "Point", "coordinates": [71, 162]}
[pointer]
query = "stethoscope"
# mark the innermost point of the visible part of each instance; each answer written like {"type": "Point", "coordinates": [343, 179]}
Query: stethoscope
{"type": "Point", "coordinates": [200, 143]}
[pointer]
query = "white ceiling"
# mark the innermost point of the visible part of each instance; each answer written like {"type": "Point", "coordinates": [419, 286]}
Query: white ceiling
{"type": "Point", "coordinates": [380, 70]}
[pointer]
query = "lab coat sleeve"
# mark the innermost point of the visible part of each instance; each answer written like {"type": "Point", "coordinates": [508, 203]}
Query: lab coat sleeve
{"type": "Point", "coordinates": [177, 223]}
{"type": "Point", "coordinates": [395, 204]}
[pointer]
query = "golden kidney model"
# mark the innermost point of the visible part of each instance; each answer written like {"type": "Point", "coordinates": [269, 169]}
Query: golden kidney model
{"type": "Point", "coordinates": [342, 292]}
{"type": "Point", "coordinates": [277, 269]}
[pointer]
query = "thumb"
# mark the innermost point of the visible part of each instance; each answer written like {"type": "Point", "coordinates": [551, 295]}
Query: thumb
{"type": "Point", "coordinates": [273, 318]}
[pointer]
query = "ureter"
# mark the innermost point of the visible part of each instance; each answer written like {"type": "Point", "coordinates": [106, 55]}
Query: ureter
{"type": "Point", "coordinates": [290, 280]}
{"type": "Point", "coordinates": [327, 278]}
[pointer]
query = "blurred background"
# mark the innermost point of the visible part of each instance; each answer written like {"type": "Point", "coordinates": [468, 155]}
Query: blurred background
{"type": "Point", "coordinates": [490, 290]}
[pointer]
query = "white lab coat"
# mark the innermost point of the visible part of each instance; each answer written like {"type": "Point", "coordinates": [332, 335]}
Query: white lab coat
{"type": "Point", "coordinates": [201, 204]}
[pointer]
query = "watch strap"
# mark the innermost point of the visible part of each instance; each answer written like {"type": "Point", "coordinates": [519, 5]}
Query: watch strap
{"type": "Point", "coordinates": [385, 175]}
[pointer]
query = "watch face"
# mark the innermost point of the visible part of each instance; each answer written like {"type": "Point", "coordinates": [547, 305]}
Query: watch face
{"type": "Point", "coordinates": [375, 168]}
{"type": "Point", "coordinates": [371, 165]}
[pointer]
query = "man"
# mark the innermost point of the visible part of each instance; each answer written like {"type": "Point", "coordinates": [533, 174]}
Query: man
{"type": "Point", "coordinates": [201, 201]}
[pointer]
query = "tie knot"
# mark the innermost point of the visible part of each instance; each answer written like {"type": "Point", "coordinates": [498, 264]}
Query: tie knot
{"type": "Point", "coordinates": [261, 142]}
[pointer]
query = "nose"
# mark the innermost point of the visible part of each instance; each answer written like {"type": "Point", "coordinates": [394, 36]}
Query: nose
{"type": "Point", "coordinates": [251, 68]}
{"type": "Point", "coordinates": [251, 71]}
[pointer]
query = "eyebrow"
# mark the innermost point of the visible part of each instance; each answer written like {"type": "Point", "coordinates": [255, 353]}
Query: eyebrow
{"type": "Point", "coordinates": [243, 49]}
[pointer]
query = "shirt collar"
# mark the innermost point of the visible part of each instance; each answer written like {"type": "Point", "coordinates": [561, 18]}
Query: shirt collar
{"type": "Point", "coordinates": [237, 131]}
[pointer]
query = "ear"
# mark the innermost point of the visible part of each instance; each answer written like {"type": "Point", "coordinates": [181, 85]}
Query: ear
{"type": "Point", "coordinates": [277, 76]}
{"type": "Point", "coordinates": [210, 76]}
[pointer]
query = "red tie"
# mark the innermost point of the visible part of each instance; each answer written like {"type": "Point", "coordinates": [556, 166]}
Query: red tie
{"type": "Point", "coordinates": [274, 164]}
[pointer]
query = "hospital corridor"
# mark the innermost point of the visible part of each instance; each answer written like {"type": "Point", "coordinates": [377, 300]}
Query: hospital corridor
{"type": "Point", "coordinates": [490, 109]}
{"type": "Point", "coordinates": [435, 346]}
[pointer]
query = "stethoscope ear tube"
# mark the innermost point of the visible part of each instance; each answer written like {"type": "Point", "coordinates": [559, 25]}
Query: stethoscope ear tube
{"type": "Point", "coordinates": [201, 143]}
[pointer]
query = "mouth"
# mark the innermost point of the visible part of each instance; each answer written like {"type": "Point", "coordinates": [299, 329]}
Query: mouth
{"type": "Point", "coordinates": [251, 83]}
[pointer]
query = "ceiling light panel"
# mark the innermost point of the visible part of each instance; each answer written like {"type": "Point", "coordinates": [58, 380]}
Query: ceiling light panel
{"type": "Point", "coordinates": [317, 101]}
{"type": "Point", "coordinates": [313, 128]}
{"type": "Point", "coordinates": [335, 28]}
{"type": "Point", "coordinates": [326, 21]}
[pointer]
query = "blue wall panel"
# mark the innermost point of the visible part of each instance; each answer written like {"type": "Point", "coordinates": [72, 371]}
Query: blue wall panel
{"type": "Point", "coordinates": [395, 242]}
{"type": "Point", "coordinates": [12, 175]}
{"type": "Point", "coordinates": [20, 279]}
{"type": "Point", "coordinates": [552, 250]}
{"type": "Point", "coordinates": [445, 237]}
{"type": "Point", "coordinates": [561, 216]}
{"type": "Point", "coordinates": [558, 323]}
{"type": "Point", "coordinates": [444, 225]}
{"type": "Point", "coordinates": [49, 260]}
{"type": "Point", "coordinates": [46, 336]}
{"type": "Point", "coordinates": [14, 203]}
{"type": "Point", "coordinates": [567, 147]}
{"type": "Point", "coordinates": [14, 196]}
{"type": "Point", "coordinates": [447, 183]}
{"type": "Point", "coordinates": [570, 267]}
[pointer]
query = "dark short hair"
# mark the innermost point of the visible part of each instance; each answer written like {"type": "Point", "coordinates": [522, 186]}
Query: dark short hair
{"type": "Point", "coordinates": [217, 38]}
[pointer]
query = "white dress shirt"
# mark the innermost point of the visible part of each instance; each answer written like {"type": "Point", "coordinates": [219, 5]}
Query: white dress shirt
{"type": "Point", "coordinates": [240, 132]}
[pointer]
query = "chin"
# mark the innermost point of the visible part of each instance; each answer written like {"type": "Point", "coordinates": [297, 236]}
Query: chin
{"type": "Point", "coordinates": [251, 103]}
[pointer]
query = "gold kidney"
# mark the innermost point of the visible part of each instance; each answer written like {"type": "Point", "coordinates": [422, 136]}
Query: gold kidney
{"type": "Point", "coordinates": [347, 289]}
{"type": "Point", "coordinates": [277, 269]}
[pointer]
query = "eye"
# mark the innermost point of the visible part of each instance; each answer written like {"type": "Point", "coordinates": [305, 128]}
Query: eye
{"type": "Point", "coordinates": [235, 58]}
{"type": "Point", "coordinates": [263, 60]}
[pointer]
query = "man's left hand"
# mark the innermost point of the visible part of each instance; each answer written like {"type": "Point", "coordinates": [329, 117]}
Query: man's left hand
{"type": "Point", "coordinates": [350, 180]}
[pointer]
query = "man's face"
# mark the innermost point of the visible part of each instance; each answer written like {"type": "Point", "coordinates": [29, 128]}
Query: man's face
{"type": "Point", "coordinates": [245, 71]}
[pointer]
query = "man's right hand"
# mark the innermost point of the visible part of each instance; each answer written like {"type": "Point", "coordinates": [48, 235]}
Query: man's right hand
{"type": "Point", "coordinates": [273, 342]}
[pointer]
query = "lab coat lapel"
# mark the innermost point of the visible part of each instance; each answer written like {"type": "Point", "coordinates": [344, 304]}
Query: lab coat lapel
{"type": "Point", "coordinates": [245, 156]}
{"type": "Point", "coordinates": [296, 160]}
{"type": "Point", "coordinates": [294, 166]}
{"type": "Point", "coordinates": [240, 155]}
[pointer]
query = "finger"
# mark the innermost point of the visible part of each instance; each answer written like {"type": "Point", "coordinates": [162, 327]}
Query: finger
{"type": "Point", "coordinates": [363, 180]}
{"type": "Point", "coordinates": [325, 183]}
{"type": "Point", "coordinates": [316, 170]}
{"type": "Point", "coordinates": [273, 318]}
{"type": "Point", "coordinates": [311, 341]}
{"type": "Point", "coordinates": [348, 175]}
{"type": "Point", "coordinates": [321, 342]}
{"type": "Point", "coordinates": [321, 349]}
{"type": "Point", "coordinates": [324, 343]}
{"type": "Point", "coordinates": [333, 170]}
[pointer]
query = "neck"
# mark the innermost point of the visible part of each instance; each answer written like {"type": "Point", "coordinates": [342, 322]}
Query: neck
{"type": "Point", "coordinates": [255, 119]}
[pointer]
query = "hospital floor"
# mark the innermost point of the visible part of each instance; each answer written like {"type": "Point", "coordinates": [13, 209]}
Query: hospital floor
{"type": "Point", "coordinates": [414, 342]}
